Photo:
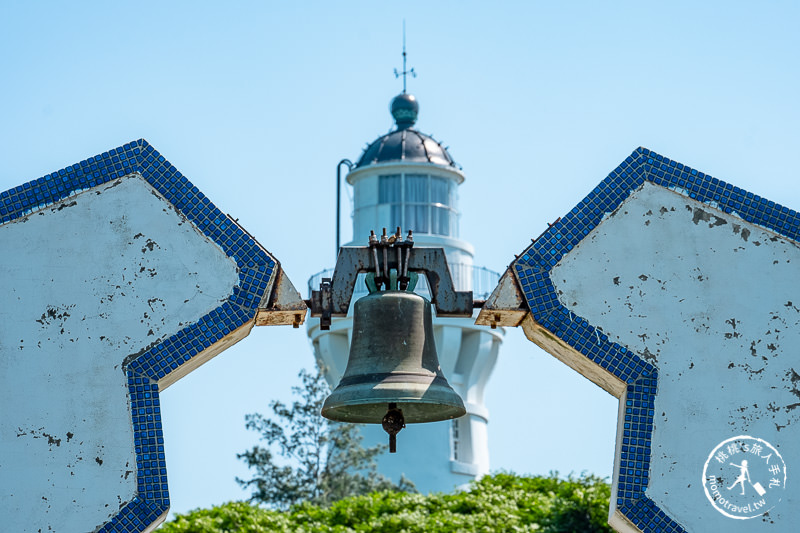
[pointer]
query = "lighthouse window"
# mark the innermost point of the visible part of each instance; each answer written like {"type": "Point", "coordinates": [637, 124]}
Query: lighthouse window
{"type": "Point", "coordinates": [440, 192]}
{"type": "Point", "coordinates": [440, 208]}
{"type": "Point", "coordinates": [440, 220]}
{"type": "Point", "coordinates": [417, 218]}
{"type": "Point", "coordinates": [419, 202]}
{"type": "Point", "coordinates": [416, 201]}
{"type": "Point", "coordinates": [454, 438]}
{"type": "Point", "coordinates": [389, 192]}
{"type": "Point", "coordinates": [416, 188]}
{"type": "Point", "coordinates": [389, 189]}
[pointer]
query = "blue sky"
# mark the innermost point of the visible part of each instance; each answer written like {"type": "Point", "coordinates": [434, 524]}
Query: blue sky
{"type": "Point", "coordinates": [256, 102]}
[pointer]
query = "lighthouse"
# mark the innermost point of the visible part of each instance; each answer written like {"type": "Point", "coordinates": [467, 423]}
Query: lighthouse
{"type": "Point", "coordinates": [409, 180]}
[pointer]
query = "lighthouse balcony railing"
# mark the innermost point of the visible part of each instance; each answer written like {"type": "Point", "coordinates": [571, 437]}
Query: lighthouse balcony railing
{"type": "Point", "coordinates": [480, 280]}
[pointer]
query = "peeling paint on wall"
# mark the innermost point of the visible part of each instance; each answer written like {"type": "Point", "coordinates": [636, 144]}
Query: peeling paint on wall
{"type": "Point", "coordinates": [91, 282]}
{"type": "Point", "coordinates": [711, 300]}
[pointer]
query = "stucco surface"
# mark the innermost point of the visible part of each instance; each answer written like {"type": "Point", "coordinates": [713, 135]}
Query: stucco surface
{"type": "Point", "coordinates": [88, 283]}
{"type": "Point", "coordinates": [713, 302]}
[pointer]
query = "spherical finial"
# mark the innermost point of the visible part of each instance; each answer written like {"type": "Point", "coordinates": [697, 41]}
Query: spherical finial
{"type": "Point", "coordinates": [404, 110]}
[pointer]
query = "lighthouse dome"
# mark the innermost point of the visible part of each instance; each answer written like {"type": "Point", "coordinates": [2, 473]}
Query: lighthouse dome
{"type": "Point", "coordinates": [405, 144]}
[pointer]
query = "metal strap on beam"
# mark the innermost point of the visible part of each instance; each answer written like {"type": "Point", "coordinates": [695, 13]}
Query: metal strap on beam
{"type": "Point", "coordinates": [333, 298]}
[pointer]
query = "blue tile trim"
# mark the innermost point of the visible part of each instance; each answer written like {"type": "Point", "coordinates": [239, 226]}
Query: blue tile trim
{"type": "Point", "coordinates": [646, 515]}
{"type": "Point", "coordinates": [532, 269]}
{"type": "Point", "coordinates": [255, 265]}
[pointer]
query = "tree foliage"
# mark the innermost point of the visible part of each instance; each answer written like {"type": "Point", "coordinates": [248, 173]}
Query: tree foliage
{"type": "Point", "coordinates": [317, 461]}
{"type": "Point", "coordinates": [501, 502]}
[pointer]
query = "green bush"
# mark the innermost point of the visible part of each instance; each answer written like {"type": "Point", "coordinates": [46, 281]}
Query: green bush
{"type": "Point", "coordinates": [501, 502]}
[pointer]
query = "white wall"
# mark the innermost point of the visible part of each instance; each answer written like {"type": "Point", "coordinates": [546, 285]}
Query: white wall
{"type": "Point", "coordinates": [88, 282]}
{"type": "Point", "coordinates": [714, 303]}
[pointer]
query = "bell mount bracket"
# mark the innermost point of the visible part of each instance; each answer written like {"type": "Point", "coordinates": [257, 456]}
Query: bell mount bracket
{"type": "Point", "coordinates": [382, 256]}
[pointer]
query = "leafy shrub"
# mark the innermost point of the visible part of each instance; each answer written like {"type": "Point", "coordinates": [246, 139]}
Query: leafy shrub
{"type": "Point", "coordinates": [502, 502]}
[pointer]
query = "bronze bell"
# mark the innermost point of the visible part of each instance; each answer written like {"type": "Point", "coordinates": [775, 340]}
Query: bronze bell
{"type": "Point", "coordinates": [393, 374]}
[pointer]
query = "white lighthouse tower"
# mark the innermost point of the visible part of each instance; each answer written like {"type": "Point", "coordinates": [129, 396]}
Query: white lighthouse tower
{"type": "Point", "coordinates": [407, 179]}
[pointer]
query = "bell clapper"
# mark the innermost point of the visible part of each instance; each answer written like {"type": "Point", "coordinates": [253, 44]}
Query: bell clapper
{"type": "Point", "coordinates": [392, 423]}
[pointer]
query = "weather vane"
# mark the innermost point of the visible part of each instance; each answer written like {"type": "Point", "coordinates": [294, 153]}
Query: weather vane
{"type": "Point", "coordinates": [405, 71]}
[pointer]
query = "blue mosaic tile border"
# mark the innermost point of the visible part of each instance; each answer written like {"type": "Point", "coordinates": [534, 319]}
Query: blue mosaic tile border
{"type": "Point", "coordinates": [532, 269]}
{"type": "Point", "coordinates": [255, 265]}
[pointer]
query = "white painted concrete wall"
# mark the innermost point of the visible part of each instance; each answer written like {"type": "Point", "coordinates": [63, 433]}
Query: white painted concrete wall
{"type": "Point", "coordinates": [714, 303]}
{"type": "Point", "coordinates": [86, 283]}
